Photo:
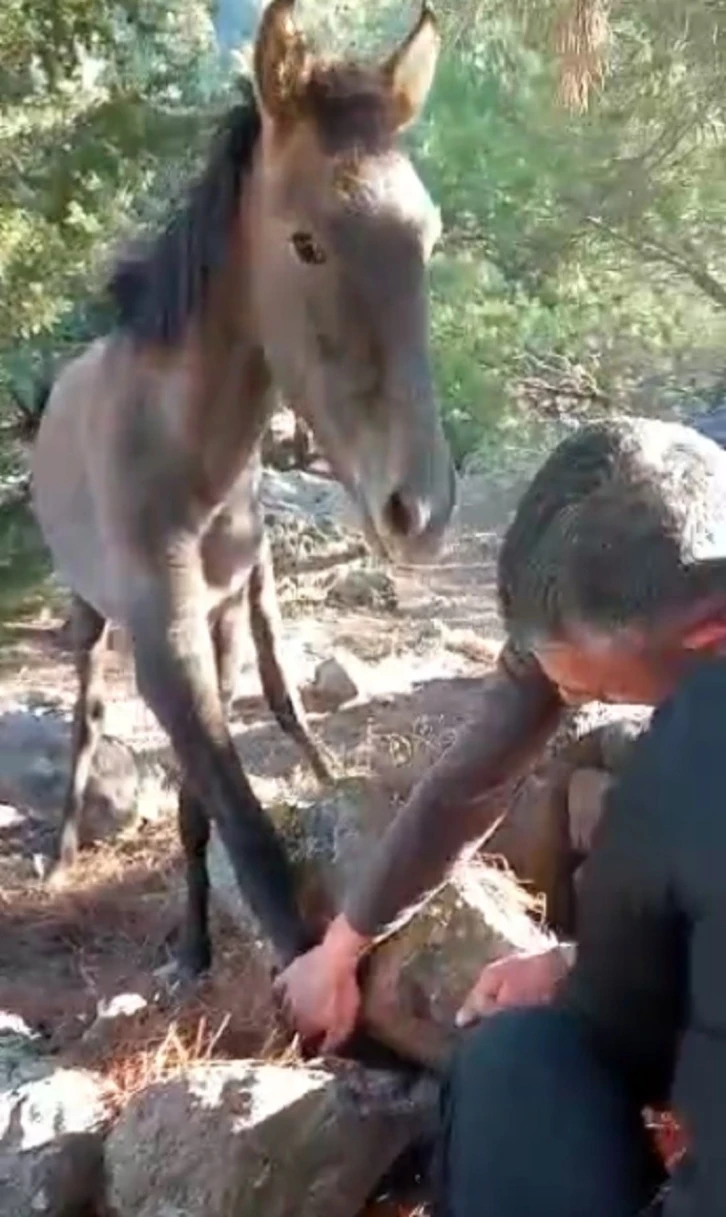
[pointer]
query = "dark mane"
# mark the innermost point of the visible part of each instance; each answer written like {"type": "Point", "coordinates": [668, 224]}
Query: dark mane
{"type": "Point", "coordinates": [155, 292]}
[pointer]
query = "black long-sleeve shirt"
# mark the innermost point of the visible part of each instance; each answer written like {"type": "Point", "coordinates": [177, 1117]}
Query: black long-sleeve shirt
{"type": "Point", "coordinates": [650, 974]}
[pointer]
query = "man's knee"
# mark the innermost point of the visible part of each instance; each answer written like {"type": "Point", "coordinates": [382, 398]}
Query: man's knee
{"type": "Point", "coordinates": [521, 1042]}
{"type": "Point", "coordinates": [534, 1123]}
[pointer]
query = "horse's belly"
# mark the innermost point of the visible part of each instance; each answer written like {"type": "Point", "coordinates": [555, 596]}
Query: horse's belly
{"type": "Point", "coordinates": [66, 513]}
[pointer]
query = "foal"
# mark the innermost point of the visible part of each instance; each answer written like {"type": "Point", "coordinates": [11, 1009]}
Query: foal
{"type": "Point", "coordinates": [297, 262]}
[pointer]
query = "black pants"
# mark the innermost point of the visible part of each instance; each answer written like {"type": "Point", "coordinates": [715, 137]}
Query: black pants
{"type": "Point", "coordinates": [535, 1126]}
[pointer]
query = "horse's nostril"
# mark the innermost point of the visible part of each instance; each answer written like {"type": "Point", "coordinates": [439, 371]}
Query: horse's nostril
{"type": "Point", "coordinates": [405, 516]}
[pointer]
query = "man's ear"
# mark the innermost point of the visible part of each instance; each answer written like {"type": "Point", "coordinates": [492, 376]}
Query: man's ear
{"type": "Point", "coordinates": [281, 60]}
{"type": "Point", "coordinates": [410, 70]}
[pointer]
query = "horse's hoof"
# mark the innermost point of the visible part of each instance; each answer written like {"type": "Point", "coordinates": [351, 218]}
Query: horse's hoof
{"type": "Point", "coordinates": [179, 979]}
{"type": "Point", "coordinates": [195, 968]}
{"type": "Point", "coordinates": [194, 960]}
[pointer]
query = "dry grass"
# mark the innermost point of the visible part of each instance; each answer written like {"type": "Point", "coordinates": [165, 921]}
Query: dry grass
{"type": "Point", "coordinates": [156, 1058]}
{"type": "Point", "coordinates": [532, 902]}
{"type": "Point", "coordinates": [157, 1045]}
{"type": "Point", "coordinates": [63, 952]}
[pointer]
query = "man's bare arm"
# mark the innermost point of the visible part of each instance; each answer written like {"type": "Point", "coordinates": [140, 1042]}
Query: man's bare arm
{"type": "Point", "coordinates": [460, 800]}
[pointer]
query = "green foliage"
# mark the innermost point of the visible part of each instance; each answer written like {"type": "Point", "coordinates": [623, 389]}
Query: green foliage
{"type": "Point", "coordinates": [102, 108]}
{"type": "Point", "coordinates": [583, 265]}
{"type": "Point", "coordinates": [26, 581]}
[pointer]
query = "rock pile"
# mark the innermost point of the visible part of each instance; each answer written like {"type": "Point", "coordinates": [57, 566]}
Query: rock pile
{"type": "Point", "coordinates": [555, 808]}
{"type": "Point", "coordinates": [419, 976]}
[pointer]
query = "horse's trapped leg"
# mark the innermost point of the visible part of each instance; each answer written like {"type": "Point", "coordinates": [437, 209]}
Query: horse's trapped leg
{"type": "Point", "coordinates": [177, 677]}
{"type": "Point", "coordinates": [281, 694]}
{"type": "Point", "coordinates": [196, 950]}
{"type": "Point", "coordinates": [89, 632]}
{"type": "Point", "coordinates": [228, 636]}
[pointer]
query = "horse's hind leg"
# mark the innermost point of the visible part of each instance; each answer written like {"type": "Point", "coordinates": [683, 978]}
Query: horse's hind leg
{"type": "Point", "coordinates": [301, 444]}
{"type": "Point", "coordinates": [281, 694]}
{"type": "Point", "coordinates": [228, 636]}
{"type": "Point", "coordinates": [89, 633]}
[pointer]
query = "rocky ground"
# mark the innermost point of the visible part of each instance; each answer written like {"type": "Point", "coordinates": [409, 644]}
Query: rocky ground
{"type": "Point", "coordinates": [118, 1089]}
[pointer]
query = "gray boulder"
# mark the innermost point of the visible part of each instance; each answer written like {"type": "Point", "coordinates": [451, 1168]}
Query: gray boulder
{"type": "Point", "coordinates": [34, 766]}
{"type": "Point", "coordinates": [245, 1139]}
{"type": "Point", "coordinates": [52, 1122]}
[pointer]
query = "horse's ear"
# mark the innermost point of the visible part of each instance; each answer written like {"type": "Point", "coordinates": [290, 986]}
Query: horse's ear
{"type": "Point", "coordinates": [409, 72]}
{"type": "Point", "coordinates": [281, 60]}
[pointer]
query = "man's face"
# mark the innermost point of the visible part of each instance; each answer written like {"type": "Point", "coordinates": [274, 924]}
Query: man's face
{"type": "Point", "coordinates": [608, 670]}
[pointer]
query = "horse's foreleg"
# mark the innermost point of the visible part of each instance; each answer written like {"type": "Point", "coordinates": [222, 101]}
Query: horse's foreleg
{"type": "Point", "coordinates": [89, 632]}
{"type": "Point", "coordinates": [227, 637]}
{"type": "Point", "coordinates": [281, 694]}
{"type": "Point", "coordinates": [194, 832]}
{"type": "Point", "coordinates": [177, 677]}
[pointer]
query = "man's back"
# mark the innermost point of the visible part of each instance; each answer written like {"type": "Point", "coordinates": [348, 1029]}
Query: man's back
{"type": "Point", "coordinates": [653, 920]}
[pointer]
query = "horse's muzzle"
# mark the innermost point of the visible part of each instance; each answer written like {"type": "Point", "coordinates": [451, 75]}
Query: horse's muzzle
{"type": "Point", "coordinates": [412, 525]}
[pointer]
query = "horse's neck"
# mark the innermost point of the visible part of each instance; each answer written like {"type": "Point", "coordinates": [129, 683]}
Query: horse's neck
{"type": "Point", "coordinates": [232, 397]}
{"type": "Point", "coordinates": [228, 416]}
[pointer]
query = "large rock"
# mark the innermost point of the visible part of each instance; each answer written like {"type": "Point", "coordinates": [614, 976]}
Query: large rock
{"type": "Point", "coordinates": [52, 1122]}
{"type": "Point", "coordinates": [419, 976]}
{"type": "Point", "coordinates": [305, 495]}
{"type": "Point", "coordinates": [245, 1139]}
{"type": "Point", "coordinates": [337, 680]}
{"type": "Point", "coordinates": [35, 748]}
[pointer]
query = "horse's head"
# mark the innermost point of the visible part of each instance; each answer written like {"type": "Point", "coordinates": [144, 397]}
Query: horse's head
{"type": "Point", "coordinates": [343, 228]}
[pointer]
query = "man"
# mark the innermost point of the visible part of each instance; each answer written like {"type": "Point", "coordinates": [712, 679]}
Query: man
{"type": "Point", "coordinates": [612, 578]}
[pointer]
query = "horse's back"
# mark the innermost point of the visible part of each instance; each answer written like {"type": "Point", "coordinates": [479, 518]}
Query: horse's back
{"type": "Point", "coordinates": [67, 464]}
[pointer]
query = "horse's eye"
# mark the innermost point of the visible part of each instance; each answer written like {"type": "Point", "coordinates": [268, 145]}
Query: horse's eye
{"type": "Point", "coordinates": [307, 248]}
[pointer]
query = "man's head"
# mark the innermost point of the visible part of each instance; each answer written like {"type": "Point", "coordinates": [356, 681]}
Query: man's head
{"type": "Point", "coordinates": [617, 550]}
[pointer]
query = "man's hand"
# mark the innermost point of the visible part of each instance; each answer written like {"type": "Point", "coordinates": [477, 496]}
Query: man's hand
{"type": "Point", "coordinates": [319, 994]}
{"type": "Point", "coordinates": [518, 980]}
